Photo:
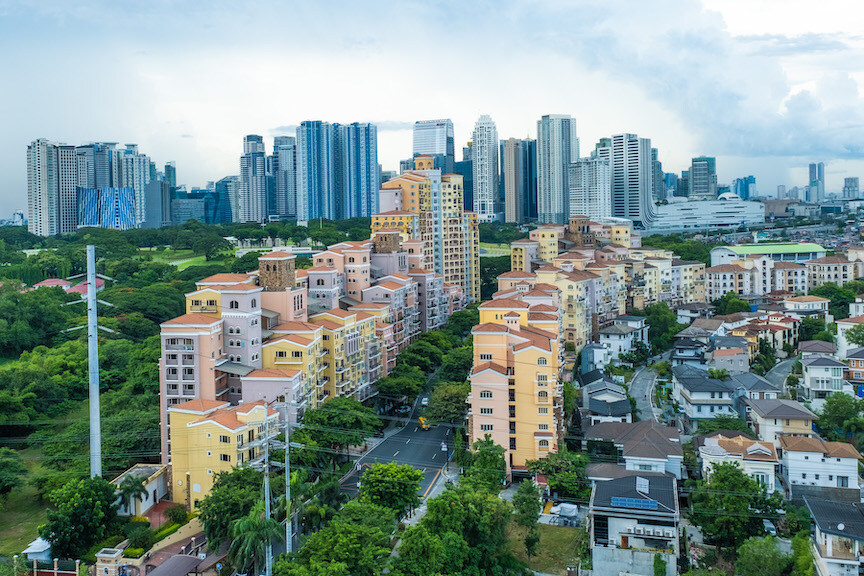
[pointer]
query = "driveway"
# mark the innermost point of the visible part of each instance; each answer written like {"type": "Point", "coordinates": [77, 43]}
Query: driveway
{"type": "Point", "coordinates": [642, 389]}
{"type": "Point", "coordinates": [777, 375]}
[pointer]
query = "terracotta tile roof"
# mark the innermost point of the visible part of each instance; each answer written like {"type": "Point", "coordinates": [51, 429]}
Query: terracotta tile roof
{"type": "Point", "coordinates": [725, 352]}
{"type": "Point", "coordinates": [419, 271]}
{"type": "Point", "coordinates": [328, 324]}
{"type": "Point", "coordinates": [389, 285]}
{"type": "Point", "coordinates": [543, 308]}
{"type": "Point", "coordinates": [489, 366]}
{"type": "Point", "coordinates": [275, 255]}
{"type": "Point", "coordinates": [829, 260]}
{"type": "Point", "coordinates": [363, 315]}
{"type": "Point", "coordinates": [516, 274]}
{"type": "Point", "coordinates": [272, 373]}
{"type": "Point", "coordinates": [747, 448]}
{"type": "Point", "coordinates": [511, 315]}
{"type": "Point", "coordinates": [295, 326]}
{"type": "Point", "coordinates": [370, 306]}
{"type": "Point", "coordinates": [195, 319]}
{"type": "Point", "coordinates": [199, 405]}
{"type": "Point", "coordinates": [580, 275]}
{"type": "Point", "coordinates": [853, 320]}
{"type": "Point", "coordinates": [292, 338]}
{"type": "Point", "coordinates": [788, 266]}
{"type": "Point", "coordinates": [225, 278]}
{"type": "Point", "coordinates": [504, 303]}
{"type": "Point", "coordinates": [489, 327]}
{"type": "Point", "coordinates": [725, 268]}
{"type": "Point", "coordinates": [541, 316]}
{"type": "Point", "coordinates": [807, 298]}
{"type": "Point", "coordinates": [548, 268]}
{"type": "Point", "coordinates": [807, 444]}
{"type": "Point", "coordinates": [544, 286]}
{"type": "Point", "coordinates": [52, 282]}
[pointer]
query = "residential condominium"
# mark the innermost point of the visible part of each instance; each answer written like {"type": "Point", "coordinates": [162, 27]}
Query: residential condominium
{"type": "Point", "coordinates": [485, 167]}
{"type": "Point", "coordinates": [428, 206]}
{"type": "Point", "coordinates": [557, 148]}
{"type": "Point", "coordinates": [515, 393]}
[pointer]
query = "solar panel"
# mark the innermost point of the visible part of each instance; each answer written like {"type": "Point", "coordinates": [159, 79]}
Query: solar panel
{"type": "Point", "coordinates": [635, 503]}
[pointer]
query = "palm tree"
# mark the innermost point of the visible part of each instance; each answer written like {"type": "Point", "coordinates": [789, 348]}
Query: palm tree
{"type": "Point", "coordinates": [250, 536]}
{"type": "Point", "coordinates": [130, 489]}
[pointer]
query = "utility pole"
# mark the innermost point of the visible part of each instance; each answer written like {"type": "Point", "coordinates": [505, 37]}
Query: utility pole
{"type": "Point", "coordinates": [289, 528]}
{"type": "Point", "coordinates": [269, 561]}
{"type": "Point", "coordinates": [93, 366]}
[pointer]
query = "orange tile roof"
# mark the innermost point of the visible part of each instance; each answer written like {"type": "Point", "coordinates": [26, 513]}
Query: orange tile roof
{"type": "Point", "coordinates": [419, 271]}
{"type": "Point", "coordinates": [516, 274]}
{"type": "Point", "coordinates": [295, 325]}
{"type": "Point", "coordinates": [543, 308]}
{"type": "Point", "coordinates": [225, 278]}
{"type": "Point", "coordinates": [199, 405]}
{"type": "Point", "coordinates": [489, 327]}
{"type": "Point", "coordinates": [807, 444]}
{"type": "Point", "coordinates": [504, 303]}
{"type": "Point", "coordinates": [275, 255]}
{"type": "Point", "coordinates": [194, 319]}
{"type": "Point", "coordinates": [338, 312]}
{"type": "Point", "coordinates": [725, 268]}
{"type": "Point", "coordinates": [853, 320]}
{"type": "Point", "coordinates": [292, 338]}
{"type": "Point", "coordinates": [489, 366]}
{"type": "Point", "coordinates": [807, 298]}
{"type": "Point", "coordinates": [328, 324]}
{"type": "Point", "coordinates": [725, 352]}
{"type": "Point", "coordinates": [389, 285]}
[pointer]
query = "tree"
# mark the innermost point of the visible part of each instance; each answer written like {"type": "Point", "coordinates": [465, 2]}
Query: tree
{"type": "Point", "coordinates": [838, 412]}
{"type": "Point", "coordinates": [730, 507]}
{"type": "Point", "coordinates": [490, 268]}
{"type": "Point", "coordinates": [729, 303]}
{"type": "Point", "coordinates": [340, 423]}
{"type": "Point", "coordinates": [659, 565]}
{"type": "Point", "coordinates": [246, 263]}
{"type": "Point", "coordinates": [233, 495]}
{"type": "Point", "coordinates": [489, 469]}
{"type": "Point", "coordinates": [722, 422]}
{"type": "Point", "coordinates": [840, 296]}
{"type": "Point", "coordinates": [420, 553]}
{"type": "Point", "coordinates": [392, 485]}
{"type": "Point", "coordinates": [855, 335]}
{"type": "Point", "coordinates": [447, 402]}
{"type": "Point", "coordinates": [802, 555]}
{"type": "Point", "coordinates": [130, 489]}
{"type": "Point", "coordinates": [527, 503]}
{"type": "Point", "coordinates": [456, 364]}
{"type": "Point", "coordinates": [11, 471]}
{"type": "Point", "coordinates": [397, 387]}
{"type": "Point", "coordinates": [565, 473]}
{"type": "Point", "coordinates": [662, 326]}
{"type": "Point", "coordinates": [810, 326]}
{"type": "Point", "coordinates": [761, 557]}
{"type": "Point", "coordinates": [84, 513]}
{"type": "Point", "coordinates": [250, 535]}
{"type": "Point", "coordinates": [721, 374]}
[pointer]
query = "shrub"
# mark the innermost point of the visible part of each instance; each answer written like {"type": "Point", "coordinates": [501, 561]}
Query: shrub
{"type": "Point", "coordinates": [141, 538]}
{"type": "Point", "coordinates": [177, 514]}
{"type": "Point", "coordinates": [112, 542]}
{"type": "Point", "coordinates": [133, 552]}
{"type": "Point", "coordinates": [135, 525]}
{"type": "Point", "coordinates": [569, 346]}
{"type": "Point", "coordinates": [166, 530]}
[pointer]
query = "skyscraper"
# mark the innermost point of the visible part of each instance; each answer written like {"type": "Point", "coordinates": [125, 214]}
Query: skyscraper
{"type": "Point", "coordinates": [316, 171]}
{"type": "Point", "coordinates": [817, 182]}
{"type": "Point", "coordinates": [228, 189]}
{"type": "Point", "coordinates": [435, 138]}
{"type": "Point", "coordinates": [744, 187]}
{"type": "Point", "coordinates": [485, 150]}
{"type": "Point", "coordinates": [630, 161]}
{"type": "Point", "coordinates": [519, 170]}
{"type": "Point", "coordinates": [591, 188]}
{"type": "Point", "coordinates": [283, 202]}
{"type": "Point", "coordinates": [850, 187]}
{"type": "Point", "coordinates": [357, 176]}
{"type": "Point", "coordinates": [557, 148]}
{"type": "Point", "coordinates": [703, 178]}
{"type": "Point", "coordinates": [659, 187]}
{"type": "Point", "coordinates": [135, 174]}
{"type": "Point", "coordinates": [253, 180]}
{"type": "Point", "coordinates": [51, 188]}
{"type": "Point", "coordinates": [106, 207]}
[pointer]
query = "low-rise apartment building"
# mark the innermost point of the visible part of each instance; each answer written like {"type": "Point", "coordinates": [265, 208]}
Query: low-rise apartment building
{"type": "Point", "coordinates": [822, 377]}
{"type": "Point", "coordinates": [772, 418]}
{"type": "Point", "coordinates": [811, 466]}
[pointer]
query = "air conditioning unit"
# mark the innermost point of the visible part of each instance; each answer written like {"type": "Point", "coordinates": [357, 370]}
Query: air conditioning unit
{"type": "Point", "coordinates": [649, 532]}
{"type": "Point", "coordinates": [639, 530]}
{"type": "Point", "coordinates": [629, 529]}
{"type": "Point", "coordinates": [669, 533]}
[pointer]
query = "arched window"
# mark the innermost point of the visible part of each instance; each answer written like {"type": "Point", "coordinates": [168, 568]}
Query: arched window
{"type": "Point", "coordinates": [254, 303]}
{"type": "Point", "coordinates": [351, 260]}
{"type": "Point", "coordinates": [541, 362]}
{"type": "Point", "coordinates": [544, 444]}
{"type": "Point", "coordinates": [268, 268]}
{"type": "Point", "coordinates": [319, 282]}
{"type": "Point", "coordinates": [234, 305]}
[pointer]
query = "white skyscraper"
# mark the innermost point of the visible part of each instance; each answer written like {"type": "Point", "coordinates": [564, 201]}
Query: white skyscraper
{"type": "Point", "coordinates": [253, 180]}
{"type": "Point", "coordinates": [135, 173]}
{"type": "Point", "coordinates": [51, 188]}
{"type": "Point", "coordinates": [591, 188]}
{"type": "Point", "coordinates": [485, 169]}
{"type": "Point", "coordinates": [557, 148]}
{"type": "Point", "coordinates": [632, 176]}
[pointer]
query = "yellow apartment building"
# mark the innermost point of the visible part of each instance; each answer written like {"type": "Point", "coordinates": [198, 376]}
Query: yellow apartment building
{"type": "Point", "coordinates": [210, 436]}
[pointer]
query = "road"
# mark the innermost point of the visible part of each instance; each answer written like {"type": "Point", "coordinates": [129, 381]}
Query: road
{"type": "Point", "coordinates": [642, 389]}
{"type": "Point", "coordinates": [410, 445]}
{"type": "Point", "coordinates": [777, 375]}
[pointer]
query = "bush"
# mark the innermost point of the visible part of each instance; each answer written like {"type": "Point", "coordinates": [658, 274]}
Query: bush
{"type": "Point", "coordinates": [141, 538]}
{"type": "Point", "coordinates": [166, 530]}
{"type": "Point", "coordinates": [177, 514]}
{"type": "Point", "coordinates": [133, 552]}
{"type": "Point", "coordinates": [569, 346]}
{"type": "Point", "coordinates": [112, 542]}
{"type": "Point", "coordinates": [134, 526]}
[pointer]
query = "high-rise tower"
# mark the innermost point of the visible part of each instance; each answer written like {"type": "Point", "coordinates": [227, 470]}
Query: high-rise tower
{"type": "Point", "coordinates": [284, 167]}
{"type": "Point", "coordinates": [253, 180]}
{"type": "Point", "coordinates": [557, 148]}
{"type": "Point", "coordinates": [316, 170]}
{"type": "Point", "coordinates": [435, 138]}
{"type": "Point", "coordinates": [632, 175]}
{"type": "Point", "coordinates": [485, 169]}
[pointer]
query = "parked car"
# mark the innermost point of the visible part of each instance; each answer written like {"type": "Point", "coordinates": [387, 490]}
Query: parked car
{"type": "Point", "coordinates": [769, 527]}
{"type": "Point", "coordinates": [424, 402]}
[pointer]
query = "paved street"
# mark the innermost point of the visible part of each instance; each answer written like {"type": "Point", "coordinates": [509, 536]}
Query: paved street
{"type": "Point", "coordinates": [777, 375]}
{"type": "Point", "coordinates": [642, 389]}
{"type": "Point", "coordinates": [410, 445]}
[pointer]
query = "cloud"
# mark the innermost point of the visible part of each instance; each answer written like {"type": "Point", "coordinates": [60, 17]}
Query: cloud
{"type": "Point", "coordinates": [394, 125]}
{"type": "Point", "coordinates": [186, 136]}
{"type": "Point", "coordinates": [803, 44]}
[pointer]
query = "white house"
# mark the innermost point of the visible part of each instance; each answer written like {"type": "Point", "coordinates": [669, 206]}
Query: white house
{"type": "Point", "coordinates": [605, 401]}
{"type": "Point", "coordinates": [856, 308]}
{"type": "Point", "coordinates": [838, 537]}
{"type": "Point", "coordinates": [700, 396]}
{"type": "Point", "coordinates": [632, 519]}
{"type": "Point", "coordinates": [155, 480]}
{"type": "Point", "coordinates": [772, 418]}
{"type": "Point", "coordinates": [823, 376]}
{"type": "Point", "coordinates": [843, 345]}
{"type": "Point", "coordinates": [621, 336]}
{"type": "Point", "coordinates": [813, 462]}
{"type": "Point", "coordinates": [805, 306]}
{"type": "Point", "coordinates": [755, 458]}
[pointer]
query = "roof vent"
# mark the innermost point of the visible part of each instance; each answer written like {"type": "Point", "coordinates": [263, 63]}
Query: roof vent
{"type": "Point", "coordinates": [841, 526]}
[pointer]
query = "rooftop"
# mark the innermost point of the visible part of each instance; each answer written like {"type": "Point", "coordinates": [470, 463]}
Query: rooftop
{"type": "Point", "coordinates": [775, 248]}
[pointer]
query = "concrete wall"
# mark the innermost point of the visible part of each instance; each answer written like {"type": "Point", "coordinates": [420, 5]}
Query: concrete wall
{"type": "Point", "coordinates": [617, 560]}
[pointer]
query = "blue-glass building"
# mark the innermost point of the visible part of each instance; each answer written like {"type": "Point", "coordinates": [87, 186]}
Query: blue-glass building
{"type": "Point", "coordinates": [106, 207]}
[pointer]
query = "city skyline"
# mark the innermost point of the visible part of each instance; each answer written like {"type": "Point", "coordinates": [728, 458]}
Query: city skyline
{"type": "Point", "coordinates": [775, 82]}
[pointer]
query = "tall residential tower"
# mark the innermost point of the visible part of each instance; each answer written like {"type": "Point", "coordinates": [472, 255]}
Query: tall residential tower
{"type": "Point", "coordinates": [557, 148]}
{"type": "Point", "coordinates": [485, 149]}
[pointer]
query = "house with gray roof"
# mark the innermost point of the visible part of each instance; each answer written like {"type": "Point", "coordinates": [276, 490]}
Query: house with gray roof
{"type": "Point", "coordinates": [772, 418]}
{"type": "Point", "coordinates": [632, 519]}
{"type": "Point", "coordinates": [838, 536]}
{"type": "Point", "coordinates": [700, 396]}
{"type": "Point", "coordinates": [645, 446]}
{"type": "Point", "coordinates": [822, 377]}
{"type": "Point", "coordinates": [605, 401]}
{"type": "Point", "coordinates": [621, 336]}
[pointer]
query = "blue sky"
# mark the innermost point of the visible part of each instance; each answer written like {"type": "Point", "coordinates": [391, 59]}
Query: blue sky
{"type": "Point", "coordinates": [766, 86]}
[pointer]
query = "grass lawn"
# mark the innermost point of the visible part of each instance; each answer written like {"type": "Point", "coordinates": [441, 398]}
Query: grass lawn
{"type": "Point", "coordinates": [21, 513]}
{"type": "Point", "coordinates": [180, 258]}
{"type": "Point", "coordinates": [487, 249]}
{"type": "Point", "coordinates": [557, 548]}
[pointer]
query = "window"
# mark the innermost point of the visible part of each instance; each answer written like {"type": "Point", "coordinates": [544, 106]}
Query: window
{"type": "Point", "coordinates": [541, 361]}
{"type": "Point", "coordinates": [225, 457]}
{"type": "Point", "coordinates": [254, 303]}
{"type": "Point", "coordinates": [544, 444]}
{"type": "Point", "coordinates": [224, 439]}
{"type": "Point", "coordinates": [512, 443]}
{"type": "Point", "coordinates": [319, 282]}
{"type": "Point", "coordinates": [543, 394]}
{"type": "Point", "coordinates": [645, 467]}
{"type": "Point", "coordinates": [486, 411]}
{"type": "Point", "coordinates": [296, 354]}
{"type": "Point", "coordinates": [281, 354]}
{"type": "Point", "coordinates": [211, 302]}
{"type": "Point", "coordinates": [543, 427]}
{"type": "Point", "coordinates": [196, 302]}
{"type": "Point", "coordinates": [233, 305]}
{"type": "Point", "coordinates": [543, 410]}
{"type": "Point", "coordinates": [486, 427]}
{"type": "Point", "coordinates": [485, 394]}
{"type": "Point", "coordinates": [486, 357]}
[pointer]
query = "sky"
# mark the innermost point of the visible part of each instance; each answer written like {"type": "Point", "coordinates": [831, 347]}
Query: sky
{"type": "Point", "coordinates": [766, 86]}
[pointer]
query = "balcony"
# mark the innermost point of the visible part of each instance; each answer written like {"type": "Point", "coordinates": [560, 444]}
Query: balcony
{"type": "Point", "coordinates": [184, 347]}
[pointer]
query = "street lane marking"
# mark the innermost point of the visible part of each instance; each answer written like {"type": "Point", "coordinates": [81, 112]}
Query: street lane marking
{"type": "Point", "coordinates": [431, 484]}
{"type": "Point", "coordinates": [396, 454]}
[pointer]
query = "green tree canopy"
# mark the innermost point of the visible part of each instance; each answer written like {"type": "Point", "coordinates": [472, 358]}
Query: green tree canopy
{"type": "Point", "coordinates": [761, 557]}
{"type": "Point", "coordinates": [12, 470]}
{"type": "Point", "coordinates": [84, 513]}
{"type": "Point", "coordinates": [340, 422]}
{"type": "Point", "coordinates": [447, 402]}
{"type": "Point", "coordinates": [232, 497]}
{"type": "Point", "coordinates": [565, 473]}
{"type": "Point", "coordinates": [723, 422]}
{"type": "Point", "coordinates": [391, 485]}
{"type": "Point", "coordinates": [730, 303]}
{"type": "Point", "coordinates": [488, 468]}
